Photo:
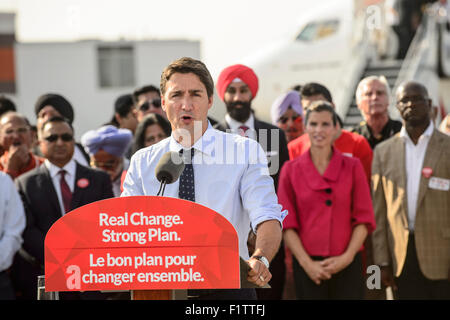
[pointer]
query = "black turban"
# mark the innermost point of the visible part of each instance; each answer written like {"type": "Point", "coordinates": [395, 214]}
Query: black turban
{"type": "Point", "coordinates": [56, 101]}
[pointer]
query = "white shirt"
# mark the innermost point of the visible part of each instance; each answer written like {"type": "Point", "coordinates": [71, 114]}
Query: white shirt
{"type": "Point", "coordinates": [234, 125]}
{"type": "Point", "coordinates": [12, 221]}
{"type": "Point", "coordinates": [70, 168]}
{"type": "Point", "coordinates": [78, 156]}
{"type": "Point", "coordinates": [234, 183]}
{"type": "Point", "coordinates": [414, 156]}
{"type": "Point", "coordinates": [117, 183]}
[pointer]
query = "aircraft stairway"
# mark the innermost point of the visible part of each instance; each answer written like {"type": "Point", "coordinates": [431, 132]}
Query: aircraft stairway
{"type": "Point", "coordinates": [388, 68]}
{"type": "Point", "coordinates": [427, 61]}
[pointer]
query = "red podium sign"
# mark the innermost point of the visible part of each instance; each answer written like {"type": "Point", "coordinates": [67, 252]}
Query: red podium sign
{"type": "Point", "coordinates": [141, 243]}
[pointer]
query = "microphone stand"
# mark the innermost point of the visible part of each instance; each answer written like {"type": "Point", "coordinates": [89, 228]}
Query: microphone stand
{"type": "Point", "coordinates": [154, 294]}
{"type": "Point", "coordinates": [162, 187]}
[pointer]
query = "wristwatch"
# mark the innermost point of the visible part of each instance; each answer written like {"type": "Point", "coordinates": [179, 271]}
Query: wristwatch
{"type": "Point", "coordinates": [263, 260]}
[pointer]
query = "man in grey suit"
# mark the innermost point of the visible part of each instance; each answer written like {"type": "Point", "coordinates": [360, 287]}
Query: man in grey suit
{"type": "Point", "coordinates": [48, 192]}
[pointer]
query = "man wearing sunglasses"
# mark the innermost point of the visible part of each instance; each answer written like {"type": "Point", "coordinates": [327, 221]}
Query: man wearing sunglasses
{"type": "Point", "coordinates": [148, 100]}
{"type": "Point", "coordinates": [48, 192]}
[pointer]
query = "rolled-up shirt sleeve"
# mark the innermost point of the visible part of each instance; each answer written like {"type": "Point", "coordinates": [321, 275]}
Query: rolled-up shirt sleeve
{"type": "Point", "coordinates": [131, 184]}
{"type": "Point", "coordinates": [258, 190]}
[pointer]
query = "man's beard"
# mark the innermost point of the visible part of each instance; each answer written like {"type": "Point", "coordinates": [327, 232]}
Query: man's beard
{"type": "Point", "coordinates": [239, 114]}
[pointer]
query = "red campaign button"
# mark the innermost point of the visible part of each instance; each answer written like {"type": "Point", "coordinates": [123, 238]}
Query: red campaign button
{"type": "Point", "coordinates": [83, 183]}
{"type": "Point", "coordinates": [427, 172]}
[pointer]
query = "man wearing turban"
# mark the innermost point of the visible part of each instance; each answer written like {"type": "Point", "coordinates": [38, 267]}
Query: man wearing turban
{"type": "Point", "coordinates": [106, 147]}
{"type": "Point", "coordinates": [237, 86]}
{"type": "Point", "coordinates": [286, 113]}
{"type": "Point", "coordinates": [48, 192]}
{"type": "Point", "coordinates": [51, 105]}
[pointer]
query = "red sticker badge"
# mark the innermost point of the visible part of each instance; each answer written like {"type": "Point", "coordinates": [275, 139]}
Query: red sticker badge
{"type": "Point", "coordinates": [83, 183]}
{"type": "Point", "coordinates": [427, 172]}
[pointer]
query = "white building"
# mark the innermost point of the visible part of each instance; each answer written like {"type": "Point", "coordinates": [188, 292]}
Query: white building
{"type": "Point", "coordinates": [91, 74]}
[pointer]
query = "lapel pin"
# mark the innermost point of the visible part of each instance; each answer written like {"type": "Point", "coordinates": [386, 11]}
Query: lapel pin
{"type": "Point", "coordinates": [427, 172]}
{"type": "Point", "coordinates": [83, 183]}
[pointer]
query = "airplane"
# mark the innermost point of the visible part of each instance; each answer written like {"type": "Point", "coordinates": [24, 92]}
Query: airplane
{"type": "Point", "coordinates": [315, 52]}
{"type": "Point", "coordinates": [332, 45]}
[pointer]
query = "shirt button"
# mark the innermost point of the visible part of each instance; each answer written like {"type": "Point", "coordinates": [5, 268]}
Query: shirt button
{"type": "Point", "coordinates": [328, 202]}
{"type": "Point", "coordinates": [328, 190]}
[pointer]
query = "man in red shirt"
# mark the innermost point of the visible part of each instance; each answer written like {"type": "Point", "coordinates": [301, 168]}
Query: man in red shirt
{"type": "Point", "coordinates": [16, 139]}
{"type": "Point", "coordinates": [348, 143]}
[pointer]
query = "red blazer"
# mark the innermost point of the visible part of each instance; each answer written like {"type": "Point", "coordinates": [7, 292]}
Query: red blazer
{"type": "Point", "coordinates": [325, 209]}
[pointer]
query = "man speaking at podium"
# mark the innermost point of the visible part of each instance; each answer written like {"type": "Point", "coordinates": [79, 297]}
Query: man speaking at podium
{"type": "Point", "coordinates": [225, 172]}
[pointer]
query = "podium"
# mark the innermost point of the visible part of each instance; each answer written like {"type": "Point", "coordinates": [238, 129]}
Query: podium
{"type": "Point", "coordinates": [147, 244]}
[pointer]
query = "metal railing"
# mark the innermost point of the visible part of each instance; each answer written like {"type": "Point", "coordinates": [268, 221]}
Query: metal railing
{"type": "Point", "coordinates": [41, 294]}
{"type": "Point", "coordinates": [421, 55]}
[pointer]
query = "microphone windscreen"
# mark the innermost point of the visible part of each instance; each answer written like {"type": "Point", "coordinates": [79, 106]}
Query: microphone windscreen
{"type": "Point", "coordinates": [169, 167]}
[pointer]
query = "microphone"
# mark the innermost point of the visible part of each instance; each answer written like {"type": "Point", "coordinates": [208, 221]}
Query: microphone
{"type": "Point", "coordinates": [168, 169]}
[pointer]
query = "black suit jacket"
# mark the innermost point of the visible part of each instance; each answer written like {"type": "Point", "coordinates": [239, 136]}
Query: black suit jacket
{"type": "Point", "coordinates": [276, 151]}
{"type": "Point", "coordinates": [41, 202]}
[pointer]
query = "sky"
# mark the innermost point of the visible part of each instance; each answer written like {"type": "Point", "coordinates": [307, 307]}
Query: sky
{"type": "Point", "coordinates": [228, 30]}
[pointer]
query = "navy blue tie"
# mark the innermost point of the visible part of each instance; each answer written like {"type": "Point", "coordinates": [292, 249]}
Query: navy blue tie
{"type": "Point", "coordinates": [186, 189]}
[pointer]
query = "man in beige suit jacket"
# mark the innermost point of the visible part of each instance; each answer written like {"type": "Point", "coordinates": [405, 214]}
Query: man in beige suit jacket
{"type": "Point", "coordinates": [411, 198]}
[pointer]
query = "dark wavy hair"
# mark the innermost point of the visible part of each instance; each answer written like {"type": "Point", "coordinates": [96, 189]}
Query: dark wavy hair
{"type": "Point", "coordinates": [122, 106]}
{"type": "Point", "coordinates": [188, 65]}
{"type": "Point", "coordinates": [314, 88]}
{"type": "Point", "coordinates": [150, 119]}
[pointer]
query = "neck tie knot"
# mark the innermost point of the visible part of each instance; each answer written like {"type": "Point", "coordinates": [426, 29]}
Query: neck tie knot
{"type": "Point", "coordinates": [242, 130]}
{"type": "Point", "coordinates": [187, 155]}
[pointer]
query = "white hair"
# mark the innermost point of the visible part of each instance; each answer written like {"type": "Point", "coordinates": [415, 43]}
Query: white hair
{"type": "Point", "coordinates": [363, 82]}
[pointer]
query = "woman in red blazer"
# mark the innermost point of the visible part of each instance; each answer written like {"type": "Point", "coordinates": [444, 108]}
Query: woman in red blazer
{"type": "Point", "coordinates": [330, 213]}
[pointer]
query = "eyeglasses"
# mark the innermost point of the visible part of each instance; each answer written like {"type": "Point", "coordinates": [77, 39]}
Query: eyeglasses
{"type": "Point", "coordinates": [146, 105]}
{"type": "Point", "coordinates": [296, 118]}
{"type": "Point", "coordinates": [66, 137]}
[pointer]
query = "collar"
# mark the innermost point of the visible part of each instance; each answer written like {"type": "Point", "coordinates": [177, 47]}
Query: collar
{"type": "Point", "coordinates": [208, 138]}
{"type": "Point", "coordinates": [70, 168]}
{"type": "Point", "coordinates": [234, 125]}
{"type": "Point", "coordinates": [313, 178]}
{"type": "Point", "coordinates": [427, 133]}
